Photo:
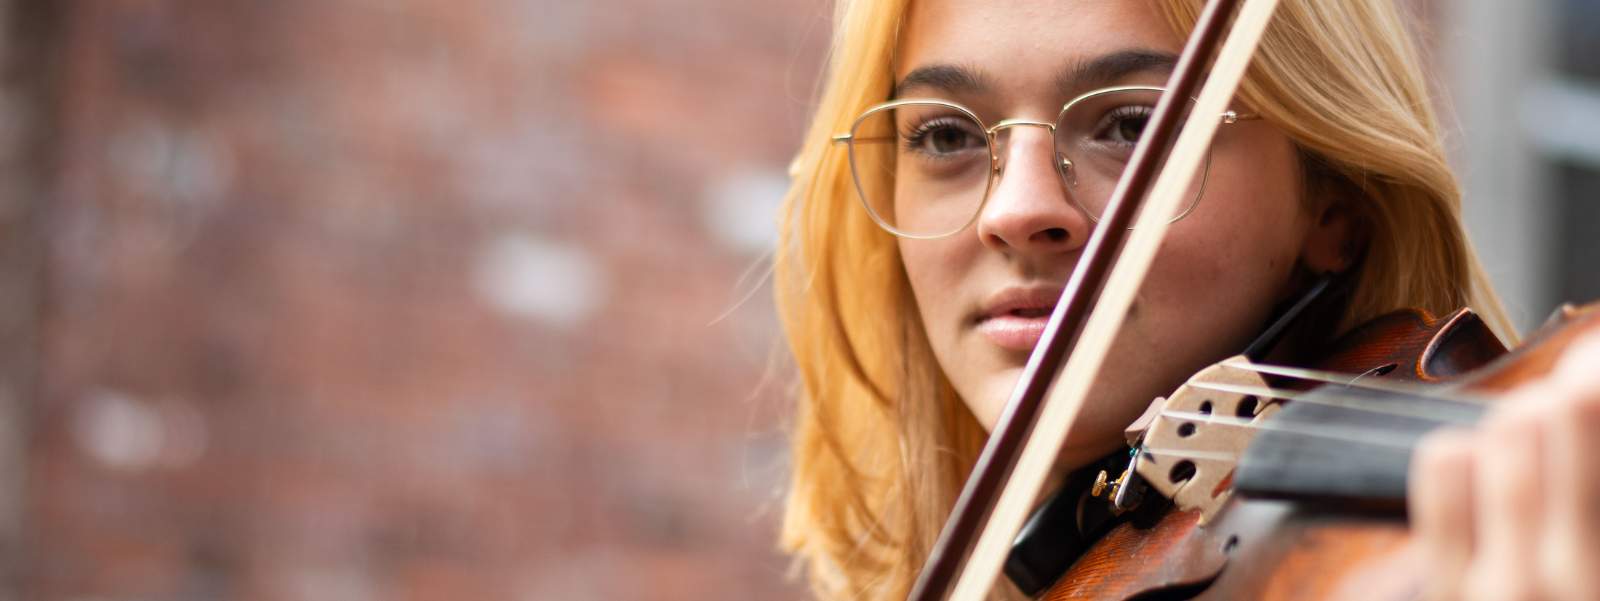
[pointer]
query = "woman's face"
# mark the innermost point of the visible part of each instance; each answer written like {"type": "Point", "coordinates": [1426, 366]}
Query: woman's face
{"type": "Point", "coordinates": [984, 293]}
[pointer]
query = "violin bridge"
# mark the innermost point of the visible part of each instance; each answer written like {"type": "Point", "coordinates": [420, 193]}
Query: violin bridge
{"type": "Point", "coordinates": [1193, 443]}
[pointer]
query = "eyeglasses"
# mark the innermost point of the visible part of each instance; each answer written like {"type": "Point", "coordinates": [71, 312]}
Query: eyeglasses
{"type": "Point", "coordinates": [924, 168]}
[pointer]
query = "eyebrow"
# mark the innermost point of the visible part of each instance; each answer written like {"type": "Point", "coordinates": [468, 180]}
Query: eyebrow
{"type": "Point", "coordinates": [1099, 71]}
{"type": "Point", "coordinates": [947, 78]}
{"type": "Point", "coordinates": [1108, 68]}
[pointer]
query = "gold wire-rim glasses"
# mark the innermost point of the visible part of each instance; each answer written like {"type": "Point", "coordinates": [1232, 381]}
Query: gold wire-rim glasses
{"type": "Point", "coordinates": [995, 167]}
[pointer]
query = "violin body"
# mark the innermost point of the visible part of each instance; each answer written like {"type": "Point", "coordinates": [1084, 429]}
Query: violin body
{"type": "Point", "coordinates": [1255, 548]}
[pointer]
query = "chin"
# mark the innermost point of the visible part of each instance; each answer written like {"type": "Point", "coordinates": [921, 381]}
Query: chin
{"type": "Point", "coordinates": [994, 397]}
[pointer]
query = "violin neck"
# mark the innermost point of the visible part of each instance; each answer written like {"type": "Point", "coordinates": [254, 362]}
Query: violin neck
{"type": "Point", "coordinates": [1347, 449]}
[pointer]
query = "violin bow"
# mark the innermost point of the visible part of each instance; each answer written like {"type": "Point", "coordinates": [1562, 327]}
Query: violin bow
{"type": "Point", "coordinates": [1020, 451]}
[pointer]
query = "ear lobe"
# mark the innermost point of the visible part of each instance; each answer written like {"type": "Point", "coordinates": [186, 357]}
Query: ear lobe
{"type": "Point", "coordinates": [1331, 241]}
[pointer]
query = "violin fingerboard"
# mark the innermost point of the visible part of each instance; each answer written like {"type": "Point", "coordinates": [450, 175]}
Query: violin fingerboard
{"type": "Point", "coordinates": [1346, 448]}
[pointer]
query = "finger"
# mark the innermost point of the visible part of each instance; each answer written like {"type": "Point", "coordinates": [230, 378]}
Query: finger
{"type": "Point", "coordinates": [1507, 479]}
{"type": "Point", "coordinates": [1579, 364]}
{"type": "Point", "coordinates": [1578, 367]}
{"type": "Point", "coordinates": [1571, 534]}
{"type": "Point", "coordinates": [1440, 506]}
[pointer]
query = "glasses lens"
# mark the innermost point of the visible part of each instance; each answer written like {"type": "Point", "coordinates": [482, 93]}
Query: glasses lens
{"type": "Point", "coordinates": [1095, 137]}
{"type": "Point", "coordinates": [922, 169]}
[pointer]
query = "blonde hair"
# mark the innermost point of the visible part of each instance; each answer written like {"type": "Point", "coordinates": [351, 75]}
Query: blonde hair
{"type": "Point", "coordinates": [882, 442]}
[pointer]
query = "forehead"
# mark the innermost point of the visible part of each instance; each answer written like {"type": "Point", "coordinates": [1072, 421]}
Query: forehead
{"type": "Point", "coordinates": [1029, 46]}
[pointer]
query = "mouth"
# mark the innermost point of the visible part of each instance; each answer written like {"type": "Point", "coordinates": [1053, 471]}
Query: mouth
{"type": "Point", "coordinates": [1014, 318]}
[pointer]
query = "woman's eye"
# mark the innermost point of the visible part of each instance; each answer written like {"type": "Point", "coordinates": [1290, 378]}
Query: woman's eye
{"type": "Point", "coordinates": [1130, 129]}
{"type": "Point", "coordinates": [943, 137]}
{"type": "Point", "coordinates": [1125, 125]}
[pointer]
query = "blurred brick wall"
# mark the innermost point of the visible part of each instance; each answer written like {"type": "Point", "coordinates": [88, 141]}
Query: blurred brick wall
{"type": "Point", "coordinates": [28, 73]}
{"type": "Point", "coordinates": [411, 299]}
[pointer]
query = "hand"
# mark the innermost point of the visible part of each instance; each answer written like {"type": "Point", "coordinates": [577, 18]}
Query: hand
{"type": "Point", "coordinates": [1510, 509]}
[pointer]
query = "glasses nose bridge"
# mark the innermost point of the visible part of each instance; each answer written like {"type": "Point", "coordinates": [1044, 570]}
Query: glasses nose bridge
{"type": "Point", "coordinates": [1010, 123]}
{"type": "Point", "coordinates": [994, 136]}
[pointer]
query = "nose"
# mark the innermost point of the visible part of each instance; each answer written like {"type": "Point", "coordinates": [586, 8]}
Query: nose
{"type": "Point", "coordinates": [1028, 210]}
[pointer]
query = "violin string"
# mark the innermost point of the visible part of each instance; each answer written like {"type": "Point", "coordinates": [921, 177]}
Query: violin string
{"type": "Point", "coordinates": [1189, 454]}
{"type": "Point", "coordinates": [1457, 409]}
{"type": "Point", "coordinates": [1333, 399]}
{"type": "Point", "coordinates": [1328, 431]}
{"type": "Point", "coordinates": [1389, 438]}
{"type": "Point", "coordinates": [1358, 381]}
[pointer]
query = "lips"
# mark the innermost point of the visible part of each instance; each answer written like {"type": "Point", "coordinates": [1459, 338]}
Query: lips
{"type": "Point", "coordinates": [1014, 318]}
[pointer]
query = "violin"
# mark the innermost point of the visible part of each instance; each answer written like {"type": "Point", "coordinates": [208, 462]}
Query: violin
{"type": "Point", "coordinates": [1289, 483]}
{"type": "Point", "coordinates": [1251, 480]}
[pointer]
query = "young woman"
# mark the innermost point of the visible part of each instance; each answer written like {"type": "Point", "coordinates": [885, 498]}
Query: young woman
{"type": "Point", "coordinates": [912, 290]}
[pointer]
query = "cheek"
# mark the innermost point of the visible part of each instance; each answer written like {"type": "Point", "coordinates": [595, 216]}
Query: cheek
{"type": "Point", "coordinates": [936, 269]}
{"type": "Point", "coordinates": [1261, 207]}
{"type": "Point", "coordinates": [1228, 263]}
{"type": "Point", "coordinates": [942, 274]}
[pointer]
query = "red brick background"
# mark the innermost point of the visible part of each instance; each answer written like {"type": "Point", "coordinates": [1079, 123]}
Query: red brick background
{"type": "Point", "coordinates": [406, 299]}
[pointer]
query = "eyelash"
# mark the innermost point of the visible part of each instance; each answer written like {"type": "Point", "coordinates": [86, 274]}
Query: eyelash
{"type": "Point", "coordinates": [918, 133]}
{"type": "Point", "coordinates": [1117, 115]}
{"type": "Point", "coordinates": [926, 127]}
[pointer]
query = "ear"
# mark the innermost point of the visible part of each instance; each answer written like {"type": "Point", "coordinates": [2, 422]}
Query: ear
{"type": "Point", "coordinates": [1332, 239]}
